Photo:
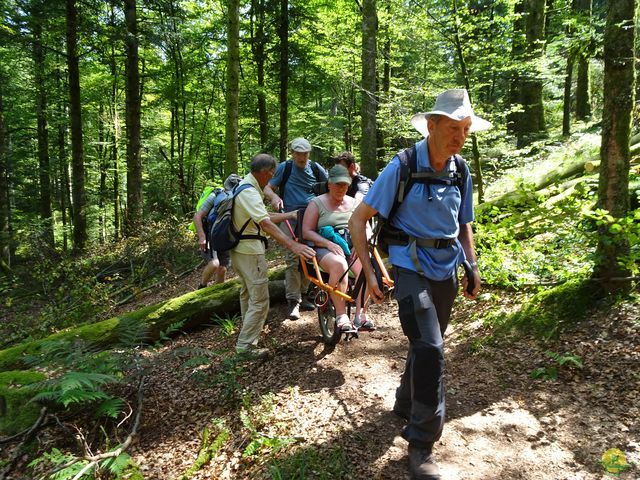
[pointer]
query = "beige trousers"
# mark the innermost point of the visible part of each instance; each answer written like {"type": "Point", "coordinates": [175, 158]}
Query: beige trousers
{"type": "Point", "coordinates": [254, 296]}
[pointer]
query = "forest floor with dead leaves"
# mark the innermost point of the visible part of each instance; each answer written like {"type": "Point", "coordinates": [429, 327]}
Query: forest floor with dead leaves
{"type": "Point", "coordinates": [312, 411]}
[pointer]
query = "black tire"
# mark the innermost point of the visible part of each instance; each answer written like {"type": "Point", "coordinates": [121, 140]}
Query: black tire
{"type": "Point", "coordinates": [327, 320]}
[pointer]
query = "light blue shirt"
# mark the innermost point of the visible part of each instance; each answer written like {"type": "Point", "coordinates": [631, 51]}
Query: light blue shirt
{"type": "Point", "coordinates": [298, 189]}
{"type": "Point", "coordinates": [439, 218]}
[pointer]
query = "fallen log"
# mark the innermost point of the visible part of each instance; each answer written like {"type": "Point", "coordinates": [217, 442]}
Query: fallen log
{"type": "Point", "coordinates": [193, 308]}
{"type": "Point", "coordinates": [516, 197]}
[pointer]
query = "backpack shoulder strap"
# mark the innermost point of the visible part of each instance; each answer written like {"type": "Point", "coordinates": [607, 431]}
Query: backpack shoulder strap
{"type": "Point", "coordinates": [408, 166]}
{"type": "Point", "coordinates": [462, 170]}
{"type": "Point", "coordinates": [317, 173]}
{"type": "Point", "coordinates": [288, 166]}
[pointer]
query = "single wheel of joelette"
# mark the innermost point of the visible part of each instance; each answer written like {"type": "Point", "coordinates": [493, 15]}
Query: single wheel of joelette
{"type": "Point", "coordinates": [327, 318]}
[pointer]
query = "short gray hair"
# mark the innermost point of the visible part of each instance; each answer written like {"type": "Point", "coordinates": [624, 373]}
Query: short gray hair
{"type": "Point", "coordinates": [262, 161]}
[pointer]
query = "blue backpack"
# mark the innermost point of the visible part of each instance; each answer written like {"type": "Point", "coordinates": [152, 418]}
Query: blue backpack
{"type": "Point", "coordinates": [223, 236]}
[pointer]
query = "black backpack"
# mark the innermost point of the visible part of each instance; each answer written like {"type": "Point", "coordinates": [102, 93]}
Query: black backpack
{"type": "Point", "coordinates": [223, 235]}
{"type": "Point", "coordinates": [388, 235]}
{"type": "Point", "coordinates": [315, 168]}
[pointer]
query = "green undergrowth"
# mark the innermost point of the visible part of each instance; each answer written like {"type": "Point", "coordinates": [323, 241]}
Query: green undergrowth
{"type": "Point", "coordinates": [318, 462]}
{"type": "Point", "coordinates": [50, 290]}
{"type": "Point", "coordinates": [16, 389]}
{"type": "Point", "coordinates": [550, 311]}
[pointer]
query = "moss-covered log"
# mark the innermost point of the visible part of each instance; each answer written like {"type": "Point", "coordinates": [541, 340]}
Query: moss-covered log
{"type": "Point", "coordinates": [193, 308]}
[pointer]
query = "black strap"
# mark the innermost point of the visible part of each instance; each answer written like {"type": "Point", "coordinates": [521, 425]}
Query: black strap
{"type": "Point", "coordinates": [236, 191]}
{"type": "Point", "coordinates": [288, 167]}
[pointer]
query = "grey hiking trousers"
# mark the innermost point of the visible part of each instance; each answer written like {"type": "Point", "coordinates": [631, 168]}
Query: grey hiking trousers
{"type": "Point", "coordinates": [424, 308]}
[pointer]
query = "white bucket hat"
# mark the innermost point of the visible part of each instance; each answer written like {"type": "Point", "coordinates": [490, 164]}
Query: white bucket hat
{"type": "Point", "coordinates": [454, 104]}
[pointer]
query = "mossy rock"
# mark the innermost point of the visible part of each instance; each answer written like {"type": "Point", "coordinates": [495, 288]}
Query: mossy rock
{"type": "Point", "coordinates": [16, 389]}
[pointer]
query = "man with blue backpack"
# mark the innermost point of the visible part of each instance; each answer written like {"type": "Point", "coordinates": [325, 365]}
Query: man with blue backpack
{"type": "Point", "coordinates": [217, 262]}
{"type": "Point", "coordinates": [425, 201]}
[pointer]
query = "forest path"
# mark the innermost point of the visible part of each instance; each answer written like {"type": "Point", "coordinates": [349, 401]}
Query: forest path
{"type": "Point", "coordinates": [501, 423]}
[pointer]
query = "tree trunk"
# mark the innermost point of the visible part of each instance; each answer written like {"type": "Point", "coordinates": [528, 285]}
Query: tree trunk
{"type": "Point", "coordinates": [194, 308]}
{"type": "Point", "coordinates": [616, 129]}
{"type": "Point", "coordinates": [134, 162]}
{"type": "Point", "coordinates": [233, 88]}
{"type": "Point", "coordinates": [46, 214]}
{"type": "Point", "coordinates": [283, 34]}
{"type": "Point", "coordinates": [368, 146]}
{"type": "Point", "coordinates": [566, 106]}
{"type": "Point", "coordinates": [77, 152]}
{"type": "Point", "coordinates": [531, 121]}
{"type": "Point", "coordinates": [583, 87]}
{"type": "Point", "coordinates": [258, 42]}
{"type": "Point", "coordinates": [5, 231]}
{"type": "Point", "coordinates": [474, 139]}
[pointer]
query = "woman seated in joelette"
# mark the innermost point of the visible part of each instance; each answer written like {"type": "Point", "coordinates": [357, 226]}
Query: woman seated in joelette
{"type": "Point", "coordinates": [334, 209]}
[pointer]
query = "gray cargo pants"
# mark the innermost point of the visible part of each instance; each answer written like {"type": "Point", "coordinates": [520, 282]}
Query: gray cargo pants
{"type": "Point", "coordinates": [424, 308]}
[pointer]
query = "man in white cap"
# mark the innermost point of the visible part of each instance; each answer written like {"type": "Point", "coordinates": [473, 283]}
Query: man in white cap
{"type": "Point", "coordinates": [217, 262]}
{"type": "Point", "coordinates": [431, 223]}
{"type": "Point", "coordinates": [294, 181]}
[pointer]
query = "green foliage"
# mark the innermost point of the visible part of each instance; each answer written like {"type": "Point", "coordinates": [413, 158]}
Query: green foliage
{"type": "Point", "coordinates": [551, 310]}
{"type": "Point", "coordinates": [77, 388]}
{"type": "Point", "coordinates": [321, 463]}
{"type": "Point", "coordinates": [620, 231]}
{"type": "Point", "coordinates": [57, 458]}
{"type": "Point", "coordinates": [550, 372]}
{"type": "Point", "coordinates": [257, 418]}
{"type": "Point", "coordinates": [227, 324]}
{"type": "Point", "coordinates": [208, 448]}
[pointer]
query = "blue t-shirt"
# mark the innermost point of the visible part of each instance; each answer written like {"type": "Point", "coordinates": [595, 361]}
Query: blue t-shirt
{"type": "Point", "coordinates": [298, 189]}
{"type": "Point", "coordinates": [439, 218]}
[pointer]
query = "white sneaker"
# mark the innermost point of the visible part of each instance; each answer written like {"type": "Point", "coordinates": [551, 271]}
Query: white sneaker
{"type": "Point", "coordinates": [364, 322]}
{"type": "Point", "coordinates": [343, 323]}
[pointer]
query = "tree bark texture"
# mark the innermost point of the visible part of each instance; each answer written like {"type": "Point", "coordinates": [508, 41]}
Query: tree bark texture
{"type": "Point", "coordinates": [258, 43]}
{"type": "Point", "coordinates": [616, 129]}
{"type": "Point", "coordinates": [233, 87]}
{"type": "Point", "coordinates": [368, 147]}
{"type": "Point", "coordinates": [134, 162]}
{"type": "Point", "coordinates": [283, 34]}
{"type": "Point", "coordinates": [531, 121]}
{"type": "Point", "coordinates": [77, 151]}
{"type": "Point", "coordinates": [46, 214]}
{"type": "Point", "coordinates": [5, 231]}
{"type": "Point", "coordinates": [583, 86]}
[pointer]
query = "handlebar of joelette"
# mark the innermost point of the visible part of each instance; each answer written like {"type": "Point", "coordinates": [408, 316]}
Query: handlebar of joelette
{"type": "Point", "coordinates": [471, 278]}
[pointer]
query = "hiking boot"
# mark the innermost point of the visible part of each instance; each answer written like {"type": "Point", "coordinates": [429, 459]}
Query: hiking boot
{"type": "Point", "coordinates": [307, 305]}
{"type": "Point", "coordinates": [294, 310]}
{"type": "Point", "coordinates": [343, 323]}
{"type": "Point", "coordinates": [363, 322]}
{"type": "Point", "coordinates": [422, 466]}
{"type": "Point", "coordinates": [252, 353]}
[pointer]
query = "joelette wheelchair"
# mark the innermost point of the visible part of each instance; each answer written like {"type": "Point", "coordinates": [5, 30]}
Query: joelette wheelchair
{"type": "Point", "coordinates": [356, 286]}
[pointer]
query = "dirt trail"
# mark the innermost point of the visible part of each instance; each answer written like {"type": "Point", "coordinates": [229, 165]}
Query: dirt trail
{"type": "Point", "coordinates": [501, 423]}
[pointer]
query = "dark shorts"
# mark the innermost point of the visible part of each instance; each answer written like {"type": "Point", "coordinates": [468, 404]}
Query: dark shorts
{"type": "Point", "coordinates": [222, 257]}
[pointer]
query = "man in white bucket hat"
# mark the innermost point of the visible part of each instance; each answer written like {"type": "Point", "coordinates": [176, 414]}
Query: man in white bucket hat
{"type": "Point", "coordinates": [425, 194]}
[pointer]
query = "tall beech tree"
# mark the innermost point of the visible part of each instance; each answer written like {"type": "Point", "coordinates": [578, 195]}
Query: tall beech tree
{"type": "Point", "coordinates": [613, 188]}
{"type": "Point", "coordinates": [283, 66]}
{"type": "Point", "coordinates": [75, 113]}
{"type": "Point", "coordinates": [37, 19]}
{"type": "Point", "coordinates": [583, 85]}
{"type": "Point", "coordinates": [134, 162]}
{"type": "Point", "coordinates": [368, 146]}
{"type": "Point", "coordinates": [233, 87]}
{"type": "Point", "coordinates": [5, 232]}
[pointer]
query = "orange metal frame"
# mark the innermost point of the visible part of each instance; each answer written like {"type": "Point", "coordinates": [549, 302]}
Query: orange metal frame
{"type": "Point", "coordinates": [317, 280]}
